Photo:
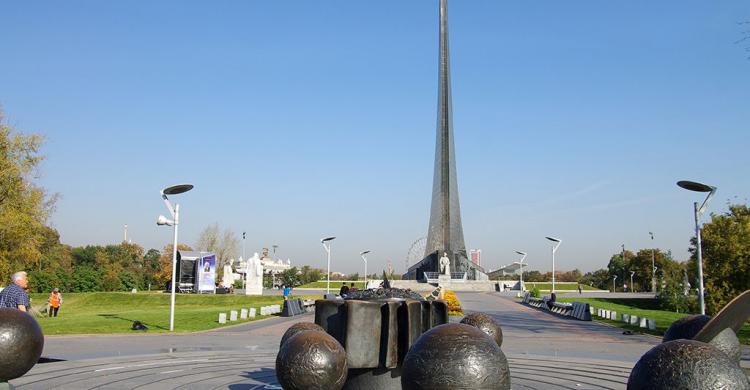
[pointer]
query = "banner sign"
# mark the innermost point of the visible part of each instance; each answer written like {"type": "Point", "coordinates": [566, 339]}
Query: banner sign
{"type": "Point", "coordinates": [207, 273]}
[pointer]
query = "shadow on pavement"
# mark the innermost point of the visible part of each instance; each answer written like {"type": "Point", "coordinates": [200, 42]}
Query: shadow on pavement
{"type": "Point", "coordinates": [117, 317]}
{"type": "Point", "coordinates": [265, 376]}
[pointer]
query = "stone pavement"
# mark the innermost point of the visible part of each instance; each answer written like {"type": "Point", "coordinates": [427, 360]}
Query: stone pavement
{"type": "Point", "coordinates": [544, 352]}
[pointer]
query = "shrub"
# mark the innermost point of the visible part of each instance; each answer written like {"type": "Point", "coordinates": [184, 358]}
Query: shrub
{"type": "Point", "coordinates": [535, 292]}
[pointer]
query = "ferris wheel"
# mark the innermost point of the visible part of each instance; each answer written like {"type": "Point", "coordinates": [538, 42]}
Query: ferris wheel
{"type": "Point", "coordinates": [416, 252]}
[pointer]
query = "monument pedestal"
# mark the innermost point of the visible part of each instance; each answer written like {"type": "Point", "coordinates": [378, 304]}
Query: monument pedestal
{"type": "Point", "coordinates": [444, 280]}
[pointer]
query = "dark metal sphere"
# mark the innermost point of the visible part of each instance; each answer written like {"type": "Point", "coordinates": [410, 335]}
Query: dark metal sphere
{"type": "Point", "coordinates": [311, 360]}
{"type": "Point", "coordinates": [21, 343]}
{"type": "Point", "coordinates": [686, 364]}
{"type": "Point", "coordinates": [689, 326]}
{"type": "Point", "coordinates": [455, 356]}
{"type": "Point", "coordinates": [299, 327]}
{"type": "Point", "coordinates": [486, 324]}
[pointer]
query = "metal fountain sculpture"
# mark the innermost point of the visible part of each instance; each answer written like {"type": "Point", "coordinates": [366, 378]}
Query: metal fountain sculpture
{"type": "Point", "coordinates": [391, 338]}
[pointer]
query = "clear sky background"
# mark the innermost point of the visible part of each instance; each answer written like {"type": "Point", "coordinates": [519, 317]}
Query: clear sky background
{"type": "Point", "coordinates": [297, 120]}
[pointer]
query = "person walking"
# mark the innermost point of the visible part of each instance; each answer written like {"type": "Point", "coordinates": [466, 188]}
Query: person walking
{"type": "Point", "coordinates": [14, 296]}
{"type": "Point", "coordinates": [55, 300]}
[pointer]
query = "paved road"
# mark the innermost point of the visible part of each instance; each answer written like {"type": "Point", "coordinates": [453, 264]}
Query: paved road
{"type": "Point", "coordinates": [530, 331]}
{"type": "Point", "coordinates": [544, 351]}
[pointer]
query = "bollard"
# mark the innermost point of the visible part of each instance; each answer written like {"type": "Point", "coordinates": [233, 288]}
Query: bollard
{"type": "Point", "coordinates": [643, 323]}
{"type": "Point", "coordinates": [222, 318]}
{"type": "Point", "coordinates": [651, 324]}
{"type": "Point", "coordinates": [252, 312]}
{"type": "Point", "coordinates": [626, 318]}
{"type": "Point", "coordinates": [233, 315]}
{"type": "Point", "coordinates": [613, 316]}
{"type": "Point", "coordinates": [633, 320]}
{"type": "Point", "coordinates": [243, 314]}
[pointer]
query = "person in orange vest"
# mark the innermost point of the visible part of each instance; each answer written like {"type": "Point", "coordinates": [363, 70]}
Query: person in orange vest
{"type": "Point", "coordinates": [55, 300]}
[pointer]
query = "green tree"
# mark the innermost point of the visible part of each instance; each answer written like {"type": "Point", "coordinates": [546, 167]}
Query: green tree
{"type": "Point", "coordinates": [290, 277]}
{"type": "Point", "coordinates": [599, 279]}
{"type": "Point", "coordinates": [641, 264]}
{"type": "Point", "coordinates": [24, 206]}
{"type": "Point", "coordinates": [86, 279]}
{"type": "Point", "coordinates": [726, 257]}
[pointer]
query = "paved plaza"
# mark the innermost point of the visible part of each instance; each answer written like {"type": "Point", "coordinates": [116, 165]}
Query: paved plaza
{"type": "Point", "coordinates": [544, 352]}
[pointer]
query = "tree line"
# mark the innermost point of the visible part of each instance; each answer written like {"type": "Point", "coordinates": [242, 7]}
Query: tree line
{"type": "Point", "coordinates": [28, 243]}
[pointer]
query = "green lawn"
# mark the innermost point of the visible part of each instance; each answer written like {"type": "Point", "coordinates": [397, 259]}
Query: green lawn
{"type": "Point", "coordinates": [546, 287]}
{"type": "Point", "coordinates": [96, 313]}
{"type": "Point", "coordinates": [642, 308]}
{"type": "Point", "coordinates": [335, 285]}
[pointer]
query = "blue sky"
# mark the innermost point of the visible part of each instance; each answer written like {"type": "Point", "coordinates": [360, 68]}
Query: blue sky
{"type": "Point", "coordinates": [297, 120]}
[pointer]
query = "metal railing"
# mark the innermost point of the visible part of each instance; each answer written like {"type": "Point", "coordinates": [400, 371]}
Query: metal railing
{"type": "Point", "coordinates": [432, 277]}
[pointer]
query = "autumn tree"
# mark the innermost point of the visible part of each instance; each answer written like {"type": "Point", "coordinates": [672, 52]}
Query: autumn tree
{"type": "Point", "coordinates": [24, 206]}
{"type": "Point", "coordinates": [164, 274]}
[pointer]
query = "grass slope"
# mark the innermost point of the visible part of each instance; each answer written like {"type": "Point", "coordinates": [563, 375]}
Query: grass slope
{"type": "Point", "coordinates": [642, 308]}
{"type": "Point", "coordinates": [98, 313]}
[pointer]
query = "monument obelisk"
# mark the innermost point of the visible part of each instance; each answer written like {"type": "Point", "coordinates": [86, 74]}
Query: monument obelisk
{"type": "Point", "coordinates": [445, 233]}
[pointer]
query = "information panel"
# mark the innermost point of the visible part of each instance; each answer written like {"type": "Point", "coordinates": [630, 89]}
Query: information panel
{"type": "Point", "coordinates": [207, 274]}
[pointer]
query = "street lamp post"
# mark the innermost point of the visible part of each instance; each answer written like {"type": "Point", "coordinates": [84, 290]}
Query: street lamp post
{"type": "Point", "coordinates": [162, 220]}
{"type": "Point", "coordinates": [364, 257]}
{"type": "Point", "coordinates": [653, 265]}
{"type": "Point", "coordinates": [631, 281]}
{"type": "Point", "coordinates": [554, 249]}
{"type": "Point", "coordinates": [614, 285]}
{"type": "Point", "coordinates": [698, 211]}
{"type": "Point", "coordinates": [623, 263]}
{"type": "Point", "coordinates": [327, 245]}
{"type": "Point", "coordinates": [244, 258]}
{"type": "Point", "coordinates": [521, 262]}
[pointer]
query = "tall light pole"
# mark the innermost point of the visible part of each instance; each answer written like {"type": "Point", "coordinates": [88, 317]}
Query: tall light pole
{"type": "Point", "coordinates": [327, 245]}
{"type": "Point", "coordinates": [614, 285]}
{"type": "Point", "coordinates": [244, 258]}
{"type": "Point", "coordinates": [554, 249]}
{"type": "Point", "coordinates": [364, 257]}
{"type": "Point", "coordinates": [653, 264]}
{"type": "Point", "coordinates": [698, 211]}
{"type": "Point", "coordinates": [623, 261]}
{"type": "Point", "coordinates": [162, 220]}
{"type": "Point", "coordinates": [521, 261]}
{"type": "Point", "coordinates": [631, 281]}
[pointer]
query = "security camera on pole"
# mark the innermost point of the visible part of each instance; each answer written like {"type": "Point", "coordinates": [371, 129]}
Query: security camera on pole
{"type": "Point", "coordinates": [161, 221]}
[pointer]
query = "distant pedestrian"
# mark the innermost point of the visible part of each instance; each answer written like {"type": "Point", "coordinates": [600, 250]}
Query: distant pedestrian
{"type": "Point", "coordinates": [352, 288]}
{"type": "Point", "coordinates": [55, 300]}
{"type": "Point", "coordinates": [287, 291]}
{"type": "Point", "coordinates": [579, 288]}
{"type": "Point", "coordinates": [14, 296]}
